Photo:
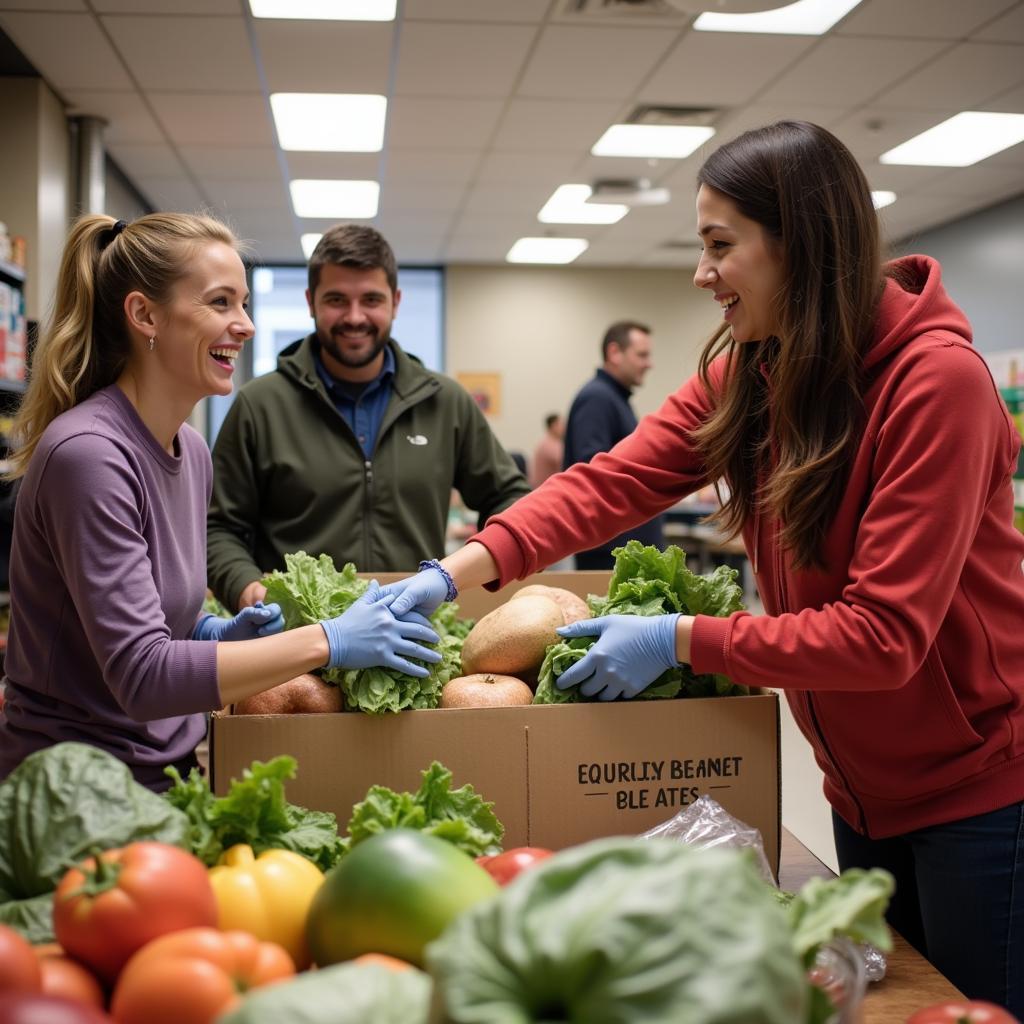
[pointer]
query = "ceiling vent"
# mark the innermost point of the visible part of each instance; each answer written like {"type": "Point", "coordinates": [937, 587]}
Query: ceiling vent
{"type": "Point", "coordinates": [620, 10]}
{"type": "Point", "coordinates": [672, 116]}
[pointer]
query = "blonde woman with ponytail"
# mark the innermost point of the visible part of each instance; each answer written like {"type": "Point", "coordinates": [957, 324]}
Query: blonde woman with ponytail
{"type": "Point", "coordinates": [108, 643]}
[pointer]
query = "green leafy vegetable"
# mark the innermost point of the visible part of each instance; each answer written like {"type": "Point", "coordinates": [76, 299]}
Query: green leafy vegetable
{"type": "Point", "coordinates": [646, 581]}
{"type": "Point", "coordinates": [460, 816]}
{"type": "Point", "coordinates": [349, 993]}
{"type": "Point", "coordinates": [213, 607]}
{"type": "Point", "coordinates": [55, 808]}
{"type": "Point", "coordinates": [254, 812]}
{"type": "Point", "coordinates": [312, 589]}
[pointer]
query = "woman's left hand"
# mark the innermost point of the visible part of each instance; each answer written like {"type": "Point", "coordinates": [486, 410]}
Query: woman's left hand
{"type": "Point", "coordinates": [631, 652]}
{"type": "Point", "coordinates": [255, 621]}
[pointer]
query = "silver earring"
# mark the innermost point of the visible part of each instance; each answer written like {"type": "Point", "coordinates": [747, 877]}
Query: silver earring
{"type": "Point", "coordinates": [152, 342]}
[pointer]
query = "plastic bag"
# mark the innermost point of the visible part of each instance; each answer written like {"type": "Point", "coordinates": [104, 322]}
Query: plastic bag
{"type": "Point", "coordinates": [707, 823]}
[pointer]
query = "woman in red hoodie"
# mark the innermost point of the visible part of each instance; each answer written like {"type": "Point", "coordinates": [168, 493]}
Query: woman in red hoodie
{"type": "Point", "coordinates": [869, 460]}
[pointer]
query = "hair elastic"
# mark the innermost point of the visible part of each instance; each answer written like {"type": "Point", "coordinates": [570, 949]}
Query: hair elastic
{"type": "Point", "coordinates": [433, 563]}
{"type": "Point", "coordinates": [111, 233]}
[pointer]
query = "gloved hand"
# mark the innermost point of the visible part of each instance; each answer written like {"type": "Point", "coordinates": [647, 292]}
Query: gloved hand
{"type": "Point", "coordinates": [631, 652]}
{"type": "Point", "coordinates": [422, 593]}
{"type": "Point", "coordinates": [257, 620]}
{"type": "Point", "coordinates": [368, 634]}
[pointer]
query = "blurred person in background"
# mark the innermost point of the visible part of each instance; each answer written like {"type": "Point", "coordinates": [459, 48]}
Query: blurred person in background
{"type": "Point", "coordinates": [351, 447]}
{"type": "Point", "coordinates": [601, 416]}
{"type": "Point", "coordinates": [108, 641]}
{"type": "Point", "coordinates": [869, 459]}
{"type": "Point", "coordinates": [550, 450]}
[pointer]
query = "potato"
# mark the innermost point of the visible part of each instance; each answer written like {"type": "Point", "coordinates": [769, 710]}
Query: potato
{"type": "Point", "coordinates": [513, 638]}
{"type": "Point", "coordinates": [485, 690]}
{"type": "Point", "coordinates": [303, 695]}
{"type": "Point", "coordinates": [573, 606]}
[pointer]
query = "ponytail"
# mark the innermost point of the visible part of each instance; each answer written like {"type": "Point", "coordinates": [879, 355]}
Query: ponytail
{"type": "Point", "coordinates": [87, 343]}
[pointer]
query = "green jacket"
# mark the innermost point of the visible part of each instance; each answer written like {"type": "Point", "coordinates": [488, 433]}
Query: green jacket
{"type": "Point", "coordinates": [289, 474]}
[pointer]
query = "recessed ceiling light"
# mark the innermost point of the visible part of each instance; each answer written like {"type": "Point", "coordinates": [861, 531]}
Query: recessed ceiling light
{"type": "Point", "coordinates": [651, 140]}
{"type": "Point", "coordinates": [308, 242]}
{"type": "Point", "coordinates": [568, 205]}
{"type": "Point", "coordinates": [803, 18]}
{"type": "Point", "coordinates": [546, 250]}
{"type": "Point", "coordinates": [882, 197]}
{"type": "Point", "coordinates": [960, 141]}
{"type": "Point", "coordinates": [317, 197]}
{"type": "Point", "coordinates": [330, 122]}
{"type": "Point", "coordinates": [325, 10]}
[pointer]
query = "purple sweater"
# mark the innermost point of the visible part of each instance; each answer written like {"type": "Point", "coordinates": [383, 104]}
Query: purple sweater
{"type": "Point", "coordinates": [107, 579]}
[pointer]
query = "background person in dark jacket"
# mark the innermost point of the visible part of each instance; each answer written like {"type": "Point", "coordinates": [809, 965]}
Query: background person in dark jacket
{"type": "Point", "coordinates": [350, 447]}
{"type": "Point", "coordinates": [601, 416]}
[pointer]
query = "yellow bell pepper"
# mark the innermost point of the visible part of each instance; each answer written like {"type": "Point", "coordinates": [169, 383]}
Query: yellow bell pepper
{"type": "Point", "coordinates": [268, 896]}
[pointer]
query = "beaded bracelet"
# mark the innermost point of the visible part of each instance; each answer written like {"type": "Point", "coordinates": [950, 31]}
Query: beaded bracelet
{"type": "Point", "coordinates": [433, 563]}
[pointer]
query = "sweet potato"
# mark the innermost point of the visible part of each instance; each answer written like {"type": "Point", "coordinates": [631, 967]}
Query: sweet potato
{"type": "Point", "coordinates": [512, 639]}
{"type": "Point", "coordinates": [303, 695]}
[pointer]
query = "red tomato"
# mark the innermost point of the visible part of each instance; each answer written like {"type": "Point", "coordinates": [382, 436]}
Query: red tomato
{"type": "Point", "coordinates": [19, 968]}
{"type": "Point", "coordinates": [503, 867]}
{"type": "Point", "coordinates": [103, 913]}
{"type": "Point", "coordinates": [25, 1008]}
{"type": "Point", "coordinates": [195, 975]}
{"type": "Point", "coordinates": [972, 1011]}
{"type": "Point", "coordinates": [68, 979]}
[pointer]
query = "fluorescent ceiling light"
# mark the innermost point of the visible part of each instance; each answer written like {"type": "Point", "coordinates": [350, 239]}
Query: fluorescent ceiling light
{"type": "Point", "coordinates": [309, 241]}
{"type": "Point", "coordinates": [960, 141]}
{"type": "Point", "coordinates": [651, 140]}
{"type": "Point", "coordinates": [546, 250]}
{"type": "Point", "coordinates": [325, 10]}
{"type": "Point", "coordinates": [568, 205]}
{"type": "Point", "coordinates": [330, 122]}
{"type": "Point", "coordinates": [882, 198]}
{"type": "Point", "coordinates": [804, 18]}
{"type": "Point", "coordinates": [317, 197]}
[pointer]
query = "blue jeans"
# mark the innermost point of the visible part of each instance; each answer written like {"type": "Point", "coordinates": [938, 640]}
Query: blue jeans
{"type": "Point", "coordinates": [959, 897]}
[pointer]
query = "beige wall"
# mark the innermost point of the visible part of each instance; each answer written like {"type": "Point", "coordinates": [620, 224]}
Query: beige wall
{"type": "Point", "coordinates": [34, 183]}
{"type": "Point", "coordinates": [541, 329]}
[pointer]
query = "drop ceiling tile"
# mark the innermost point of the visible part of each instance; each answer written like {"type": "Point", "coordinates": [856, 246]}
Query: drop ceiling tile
{"type": "Point", "coordinates": [358, 166]}
{"type": "Point", "coordinates": [476, 250]}
{"type": "Point", "coordinates": [983, 181]}
{"type": "Point", "coordinates": [418, 222]}
{"type": "Point", "coordinates": [174, 193]}
{"type": "Point", "coordinates": [482, 200]}
{"type": "Point", "coordinates": [424, 166]}
{"type": "Point", "coordinates": [235, 163]}
{"type": "Point", "coordinates": [1011, 101]}
{"type": "Point", "coordinates": [325, 56]}
{"type": "Point", "coordinates": [591, 63]}
{"type": "Point", "coordinates": [849, 70]}
{"type": "Point", "coordinates": [874, 129]}
{"type": "Point", "coordinates": [1007, 29]}
{"type": "Point", "coordinates": [141, 161]}
{"type": "Point", "coordinates": [965, 77]}
{"type": "Point", "coordinates": [406, 199]}
{"type": "Point", "coordinates": [438, 59]}
{"type": "Point", "coordinates": [921, 19]}
{"type": "Point", "coordinates": [129, 120]}
{"type": "Point", "coordinates": [52, 5]}
{"type": "Point", "coordinates": [194, 53]}
{"type": "Point", "coordinates": [69, 50]}
{"type": "Point", "coordinates": [211, 119]}
{"type": "Point", "coordinates": [721, 69]}
{"type": "Point", "coordinates": [440, 124]}
{"type": "Point", "coordinates": [247, 194]}
{"type": "Point", "coordinates": [508, 168]}
{"type": "Point", "coordinates": [205, 7]}
{"type": "Point", "coordinates": [550, 126]}
{"type": "Point", "coordinates": [476, 10]}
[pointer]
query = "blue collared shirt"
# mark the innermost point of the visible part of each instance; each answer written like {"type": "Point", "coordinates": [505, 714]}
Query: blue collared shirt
{"type": "Point", "coordinates": [363, 410]}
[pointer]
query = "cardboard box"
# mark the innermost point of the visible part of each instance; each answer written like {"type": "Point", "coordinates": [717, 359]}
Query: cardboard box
{"type": "Point", "coordinates": [558, 775]}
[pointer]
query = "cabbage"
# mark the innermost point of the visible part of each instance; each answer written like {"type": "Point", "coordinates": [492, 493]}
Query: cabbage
{"type": "Point", "coordinates": [619, 931]}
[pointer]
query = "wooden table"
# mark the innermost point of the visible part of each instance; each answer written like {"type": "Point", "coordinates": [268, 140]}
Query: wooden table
{"type": "Point", "coordinates": [910, 981]}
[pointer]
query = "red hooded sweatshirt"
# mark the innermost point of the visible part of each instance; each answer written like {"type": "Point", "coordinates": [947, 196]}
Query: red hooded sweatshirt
{"type": "Point", "coordinates": [903, 661]}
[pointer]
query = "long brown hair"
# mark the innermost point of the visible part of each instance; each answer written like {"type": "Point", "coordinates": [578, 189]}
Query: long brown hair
{"type": "Point", "coordinates": [87, 342]}
{"type": "Point", "coordinates": [789, 412]}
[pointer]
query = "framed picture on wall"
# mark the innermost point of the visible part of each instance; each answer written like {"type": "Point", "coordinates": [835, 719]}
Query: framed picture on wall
{"type": "Point", "coordinates": [485, 389]}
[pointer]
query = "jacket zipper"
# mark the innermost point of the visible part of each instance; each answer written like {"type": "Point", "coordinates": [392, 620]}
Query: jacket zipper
{"type": "Point", "coordinates": [367, 508]}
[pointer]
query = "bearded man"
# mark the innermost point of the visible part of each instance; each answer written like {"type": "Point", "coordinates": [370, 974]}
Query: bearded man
{"type": "Point", "coordinates": [350, 447]}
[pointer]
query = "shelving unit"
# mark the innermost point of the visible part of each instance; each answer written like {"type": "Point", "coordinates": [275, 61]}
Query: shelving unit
{"type": "Point", "coordinates": [1013, 396]}
{"type": "Point", "coordinates": [13, 360]}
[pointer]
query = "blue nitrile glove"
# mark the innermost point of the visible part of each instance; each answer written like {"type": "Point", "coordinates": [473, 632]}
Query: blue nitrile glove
{"type": "Point", "coordinates": [368, 634]}
{"type": "Point", "coordinates": [422, 593]}
{"type": "Point", "coordinates": [258, 619]}
{"type": "Point", "coordinates": [631, 652]}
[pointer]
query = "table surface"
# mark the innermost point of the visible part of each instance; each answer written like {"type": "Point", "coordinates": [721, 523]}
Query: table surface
{"type": "Point", "coordinates": [910, 981]}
